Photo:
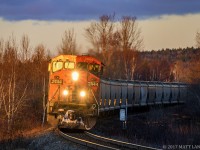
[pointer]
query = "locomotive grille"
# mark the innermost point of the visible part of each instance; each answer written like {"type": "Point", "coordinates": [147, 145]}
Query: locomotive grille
{"type": "Point", "coordinates": [74, 95]}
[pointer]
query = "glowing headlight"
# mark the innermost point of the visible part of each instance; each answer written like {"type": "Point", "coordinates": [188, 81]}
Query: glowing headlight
{"type": "Point", "coordinates": [65, 92]}
{"type": "Point", "coordinates": [75, 76]}
{"type": "Point", "coordinates": [82, 93]}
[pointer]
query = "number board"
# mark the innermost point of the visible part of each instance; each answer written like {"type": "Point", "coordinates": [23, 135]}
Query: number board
{"type": "Point", "coordinates": [56, 81]}
{"type": "Point", "coordinates": [93, 84]}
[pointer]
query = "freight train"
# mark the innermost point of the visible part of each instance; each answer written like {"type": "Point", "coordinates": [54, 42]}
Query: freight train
{"type": "Point", "coordinates": [77, 93]}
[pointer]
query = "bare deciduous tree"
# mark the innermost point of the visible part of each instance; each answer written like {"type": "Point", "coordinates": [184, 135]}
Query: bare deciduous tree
{"type": "Point", "coordinates": [10, 51]}
{"type": "Point", "coordinates": [12, 100]}
{"type": "Point", "coordinates": [100, 33]}
{"type": "Point", "coordinates": [39, 53]}
{"type": "Point", "coordinates": [109, 37]}
{"type": "Point", "coordinates": [130, 34]}
{"type": "Point", "coordinates": [1, 92]}
{"type": "Point", "coordinates": [44, 102]}
{"type": "Point", "coordinates": [1, 50]}
{"type": "Point", "coordinates": [13, 90]}
{"type": "Point", "coordinates": [21, 84]}
{"type": "Point", "coordinates": [25, 43]}
{"type": "Point", "coordinates": [39, 78]}
{"type": "Point", "coordinates": [129, 62]}
{"type": "Point", "coordinates": [131, 42]}
{"type": "Point", "coordinates": [68, 45]}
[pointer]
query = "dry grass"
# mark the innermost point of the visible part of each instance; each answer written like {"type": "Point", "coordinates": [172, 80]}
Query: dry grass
{"type": "Point", "coordinates": [22, 138]}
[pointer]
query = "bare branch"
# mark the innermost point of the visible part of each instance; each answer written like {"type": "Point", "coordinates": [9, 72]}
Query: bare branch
{"type": "Point", "coordinates": [25, 47]}
{"type": "Point", "coordinates": [68, 45]}
{"type": "Point", "coordinates": [20, 101]}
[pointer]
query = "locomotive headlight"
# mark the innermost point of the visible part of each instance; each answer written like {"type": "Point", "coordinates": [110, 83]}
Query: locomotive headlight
{"type": "Point", "coordinates": [75, 75]}
{"type": "Point", "coordinates": [82, 93]}
{"type": "Point", "coordinates": [65, 92]}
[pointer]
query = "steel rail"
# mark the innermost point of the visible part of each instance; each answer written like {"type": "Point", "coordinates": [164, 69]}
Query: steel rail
{"type": "Point", "coordinates": [120, 143]}
{"type": "Point", "coordinates": [86, 143]}
{"type": "Point", "coordinates": [113, 144]}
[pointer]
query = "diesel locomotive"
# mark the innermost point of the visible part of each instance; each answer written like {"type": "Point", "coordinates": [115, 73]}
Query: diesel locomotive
{"type": "Point", "coordinates": [77, 93]}
{"type": "Point", "coordinates": [73, 91]}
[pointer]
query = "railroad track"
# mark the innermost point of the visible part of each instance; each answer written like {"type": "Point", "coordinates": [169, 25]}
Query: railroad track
{"type": "Point", "coordinates": [101, 143]}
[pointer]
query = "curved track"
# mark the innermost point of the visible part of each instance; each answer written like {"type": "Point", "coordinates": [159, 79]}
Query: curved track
{"type": "Point", "coordinates": [98, 142]}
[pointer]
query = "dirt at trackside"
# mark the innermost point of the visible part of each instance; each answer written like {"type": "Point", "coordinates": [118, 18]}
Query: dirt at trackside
{"type": "Point", "coordinates": [45, 140]}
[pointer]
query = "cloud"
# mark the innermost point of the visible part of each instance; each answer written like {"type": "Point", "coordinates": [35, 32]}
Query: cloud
{"type": "Point", "coordinates": [92, 9]}
{"type": "Point", "coordinates": [48, 33]}
{"type": "Point", "coordinates": [168, 31]}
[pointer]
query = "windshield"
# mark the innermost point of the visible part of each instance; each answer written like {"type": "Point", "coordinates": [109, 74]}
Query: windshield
{"type": "Point", "coordinates": [93, 68]}
{"type": "Point", "coordinates": [82, 65]}
{"type": "Point", "coordinates": [69, 65]}
{"type": "Point", "coordinates": [57, 65]}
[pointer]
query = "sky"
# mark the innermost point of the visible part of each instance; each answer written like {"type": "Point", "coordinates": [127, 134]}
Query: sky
{"type": "Point", "coordinates": [163, 23]}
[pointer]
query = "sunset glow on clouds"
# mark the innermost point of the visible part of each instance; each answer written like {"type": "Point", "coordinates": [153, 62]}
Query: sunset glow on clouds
{"type": "Point", "coordinates": [166, 24]}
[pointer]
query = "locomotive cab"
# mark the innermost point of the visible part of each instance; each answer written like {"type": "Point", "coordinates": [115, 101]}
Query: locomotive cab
{"type": "Point", "coordinates": [73, 91]}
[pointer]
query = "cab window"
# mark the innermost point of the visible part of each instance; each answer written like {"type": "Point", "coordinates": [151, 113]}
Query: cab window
{"type": "Point", "coordinates": [57, 65]}
{"type": "Point", "coordinates": [69, 65]}
{"type": "Point", "coordinates": [82, 65]}
{"type": "Point", "coordinates": [93, 68]}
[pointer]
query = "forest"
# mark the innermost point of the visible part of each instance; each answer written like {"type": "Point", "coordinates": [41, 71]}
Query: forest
{"type": "Point", "coordinates": [24, 69]}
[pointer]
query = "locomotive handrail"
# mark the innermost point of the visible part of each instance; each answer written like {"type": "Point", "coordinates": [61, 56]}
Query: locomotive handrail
{"type": "Point", "coordinates": [138, 81]}
{"type": "Point", "coordinates": [95, 100]}
{"type": "Point", "coordinates": [55, 93]}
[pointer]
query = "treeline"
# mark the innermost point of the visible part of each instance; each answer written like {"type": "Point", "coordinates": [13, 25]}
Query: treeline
{"type": "Point", "coordinates": [181, 54]}
{"type": "Point", "coordinates": [169, 65]}
{"type": "Point", "coordinates": [175, 65]}
{"type": "Point", "coordinates": [23, 83]}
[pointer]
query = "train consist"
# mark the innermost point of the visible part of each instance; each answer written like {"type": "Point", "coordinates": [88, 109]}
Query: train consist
{"type": "Point", "coordinates": [119, 94]}
{"type": "Point", "coordinates": [77, 93]}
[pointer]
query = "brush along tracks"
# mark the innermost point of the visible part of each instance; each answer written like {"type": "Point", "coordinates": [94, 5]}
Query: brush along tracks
{"type": "Point", "coordinates": [101, 143]}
